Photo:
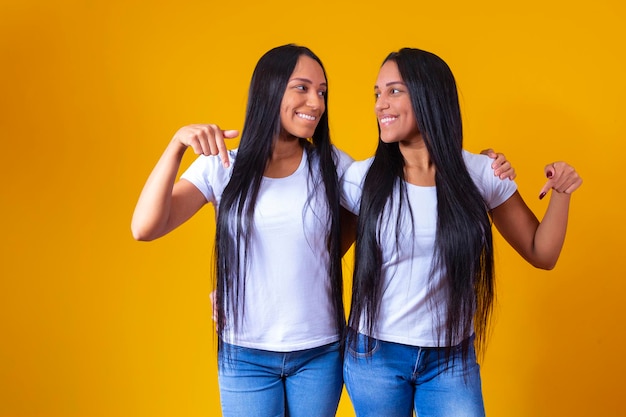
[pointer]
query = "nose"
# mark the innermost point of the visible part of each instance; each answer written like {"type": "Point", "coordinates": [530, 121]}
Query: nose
{"type": "Point", "coordinates": [381, 103]}
{"type": "Point", "coordinates": [314, 100]}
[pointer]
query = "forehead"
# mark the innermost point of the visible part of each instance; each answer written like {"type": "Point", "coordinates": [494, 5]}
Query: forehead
{"type": "Point", "coordinates": [388, 72]}
{"type": "Point", "coordinates": [310, 69]}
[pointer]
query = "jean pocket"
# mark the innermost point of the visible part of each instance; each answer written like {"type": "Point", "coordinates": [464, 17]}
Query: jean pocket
{"type": "Point", "coordinates": [361, 346]}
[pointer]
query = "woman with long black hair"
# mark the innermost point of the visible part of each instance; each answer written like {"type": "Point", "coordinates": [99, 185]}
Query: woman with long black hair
{"type": "Point", "coordinates": [279, 307]}
{"type": "Point", "coordinates": [423, 285]}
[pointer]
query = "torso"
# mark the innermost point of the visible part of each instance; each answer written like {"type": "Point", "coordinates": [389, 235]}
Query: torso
{"type": "Point", "coordinates": [410, 288]}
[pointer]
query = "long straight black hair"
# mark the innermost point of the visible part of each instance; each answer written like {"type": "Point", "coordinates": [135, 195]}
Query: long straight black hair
{"type": "Point", "coordinates": [463, 243]}
{"type": "Point", "coordinates": [235, 214]}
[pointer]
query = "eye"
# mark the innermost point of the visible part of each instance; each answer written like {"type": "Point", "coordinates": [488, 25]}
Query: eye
{"type": "Point", "coordinates": [395, 91]}
{"type": "Point", "coordinates": [376, 95]}
{"type": "Point", "coordinates": [322, 93]}
{"type": "Point", "coordinates": [300, 87]}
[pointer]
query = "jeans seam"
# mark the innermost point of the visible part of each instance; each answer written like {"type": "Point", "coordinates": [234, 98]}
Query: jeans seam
{"type": "Point", "coordinates": [416, 371]}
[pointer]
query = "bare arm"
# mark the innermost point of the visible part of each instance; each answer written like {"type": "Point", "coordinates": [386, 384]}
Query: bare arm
{"type": "Point", "coordinates": [165, 204]}
{"type": "Point", "coordinates": [540, 243]}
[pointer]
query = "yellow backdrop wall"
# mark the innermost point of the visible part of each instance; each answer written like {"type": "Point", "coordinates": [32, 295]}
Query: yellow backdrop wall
{"type": "Point", "coordinates": [95, 324]}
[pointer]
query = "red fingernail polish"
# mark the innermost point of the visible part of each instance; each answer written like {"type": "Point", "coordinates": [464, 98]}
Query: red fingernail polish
{"type": "Point", "coordinates": [542, 195]}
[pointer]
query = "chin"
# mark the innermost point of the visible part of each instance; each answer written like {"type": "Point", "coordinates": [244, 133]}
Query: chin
{"type": "Point", "coordinates": [300, 134]}
{"type": "Point", "coordinates": [388, 140]}
{"type": "Point", "coordinates": [306, 135]}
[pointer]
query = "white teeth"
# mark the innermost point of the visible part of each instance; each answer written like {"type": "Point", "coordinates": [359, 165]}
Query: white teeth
{"type": "Point", "coordinates": [306, 116]}
{"type": "Point", "coordinates": [387, 119]}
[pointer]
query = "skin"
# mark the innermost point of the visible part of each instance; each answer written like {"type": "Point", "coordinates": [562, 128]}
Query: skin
{"type": "Point", "coordinates": [540, 243]}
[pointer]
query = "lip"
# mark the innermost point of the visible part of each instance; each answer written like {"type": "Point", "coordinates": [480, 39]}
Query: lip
{"type": "Point", "coordinates": [386, 119]}
{"type": "Point", "coordinates": [307, 117]}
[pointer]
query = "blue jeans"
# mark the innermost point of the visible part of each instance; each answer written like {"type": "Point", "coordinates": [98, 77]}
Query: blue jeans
{"type": "Point", "coordinates": [259, 383]}
{"type": "Point", "coordinates": [393, 380]}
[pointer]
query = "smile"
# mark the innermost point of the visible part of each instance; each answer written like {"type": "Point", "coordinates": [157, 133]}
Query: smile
{"type": "Point", "coordinates": [306, 116]}
{"type": "Point", "coordinates": [387, 119]}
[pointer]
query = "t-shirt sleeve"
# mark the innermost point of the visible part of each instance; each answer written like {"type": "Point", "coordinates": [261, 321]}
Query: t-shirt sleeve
{"type": "Point", "coordinates": [494, 190]}
{"type": "Point", "coordinates": [342, 160]}
{"type": "Point", "coordinates": [209, 176]}
{"type": "Point", "coordinates": [352, 185]}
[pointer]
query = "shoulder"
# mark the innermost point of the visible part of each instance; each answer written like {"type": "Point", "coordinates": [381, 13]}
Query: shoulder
{"type": "Point", "coordinates": [476, 162]}
{"type": "Point", "coordinates": [342, 160]}
{"type": "Point", "coordinates": [341, 155]}
{"type": "Point", "coordinates": [355, 174]}
{"type": "Point", "coordinates": [493, 190]}
{"type": "Point", "coordinates": [357, 170]}
{"type": "Point", "coordinates": [352, 184]}
{"type": "Point", "coordinates": [208, 171]}
{"type": "Point", "coordinates": [479, 167]}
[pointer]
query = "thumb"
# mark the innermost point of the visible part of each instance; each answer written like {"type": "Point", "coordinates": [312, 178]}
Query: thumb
{"type": "Point", "coordinates": [550, 170]}
{"type": "Point", "coordinates": [489, 152]}
{"type": "Point", "coordinates": [230, 134]}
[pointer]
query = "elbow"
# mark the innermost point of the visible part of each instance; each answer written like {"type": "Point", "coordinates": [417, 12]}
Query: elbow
{"type": "Point", "coordinates": [542, 258]}
{"type": "Point", "coordinates": [546, 267]}
{"type": "Point", "coordinates": [144, 228]}
{"type": "Point", "coordinates": [545, 264]}
{"type": "Point", "coordinates": [141, 238]}
{"type": "Point", "coordinates": [141, 234]}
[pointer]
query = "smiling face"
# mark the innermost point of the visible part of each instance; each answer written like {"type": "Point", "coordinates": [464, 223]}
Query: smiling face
{"type": "Point", "coordinates": [393, 107]}
{"type": "Point", "coordinates": [304, 100]}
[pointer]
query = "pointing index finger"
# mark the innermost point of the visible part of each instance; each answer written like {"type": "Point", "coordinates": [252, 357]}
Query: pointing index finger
{"type": "Point", "coordinates": [221, 145]}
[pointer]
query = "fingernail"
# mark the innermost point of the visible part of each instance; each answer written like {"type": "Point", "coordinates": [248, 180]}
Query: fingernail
{"type": "Point", "coordinates": [542, 195]}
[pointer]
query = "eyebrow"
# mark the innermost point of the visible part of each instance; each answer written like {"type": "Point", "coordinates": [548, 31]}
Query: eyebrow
{"type": "Point", "coordinates": [391, 83]}
{"type": "Point", "coordinates": [306, 80]}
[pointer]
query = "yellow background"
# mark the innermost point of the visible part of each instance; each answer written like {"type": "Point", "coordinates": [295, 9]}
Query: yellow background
{"type": "Point", "coordinates": [93, 323]}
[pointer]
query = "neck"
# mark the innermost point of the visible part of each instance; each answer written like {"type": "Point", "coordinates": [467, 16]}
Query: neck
{"type": "Point", "coordinates": [418, 167]}
{"type": "Point", "coordinates": [286, 148]}
{"type": "Point", "coordinates": [285, 159]}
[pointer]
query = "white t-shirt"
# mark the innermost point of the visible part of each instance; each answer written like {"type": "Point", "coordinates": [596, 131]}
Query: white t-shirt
{"type": "Point", "coordinates": [288, 305]}
{"type": "Point", "coordinates": [406, 310]}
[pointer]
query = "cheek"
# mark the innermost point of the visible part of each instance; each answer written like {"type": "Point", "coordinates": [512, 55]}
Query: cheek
{"type": "Point", "coordinates": [285, 109]}
{"type": "Point", "coordinates": [285, 103]}
{"type": "Point", "coordinates": [414, 127]}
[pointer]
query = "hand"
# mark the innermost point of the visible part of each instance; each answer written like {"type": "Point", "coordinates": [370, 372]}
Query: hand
{"type": "Point", "coordinates": [562, 178]}
{"type": "Point", "coordinates": [206, 139]}
{"type": "Point", "coordinates": [501, 167]}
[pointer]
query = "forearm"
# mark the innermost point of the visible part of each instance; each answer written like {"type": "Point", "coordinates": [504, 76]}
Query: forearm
{"type": "Point", "coordinates": [550, 235]}
{"type": "Point", "coordinates": [152, 212]}
{"type": "Point", "coordinates": [540, 243]}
